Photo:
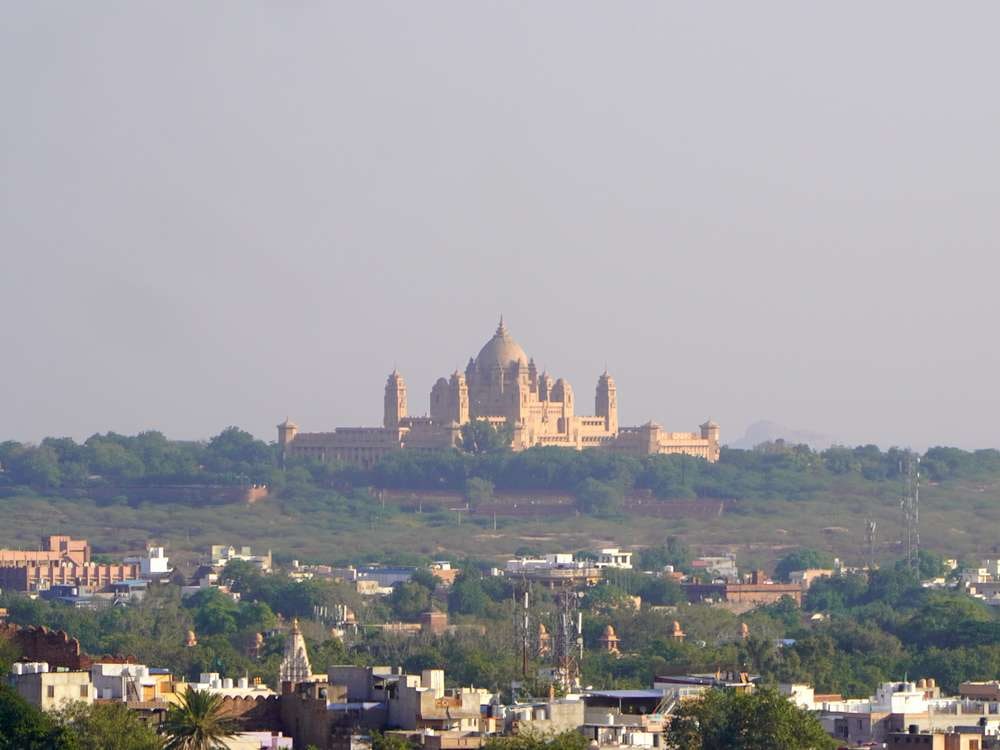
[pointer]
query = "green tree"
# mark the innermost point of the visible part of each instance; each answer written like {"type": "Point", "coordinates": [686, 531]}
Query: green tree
{"type": "Point", "coordinates": [196, 722]}
{"type": "Point", "coordinates": [801, 559]}
{"type": "Point", "coordinates": [467, 596]}
{"type": "Point", "coordinates": [214, 612]}
{"type": "Point", "coordinates": [36, 466]}
{"type": "Point", "coordinates": [389, 741]}
{"type": "Point", "coordinates": [598, 498]}
{"type": "Point", "coordinates": [9, 653]}
{"type": "Point", "coordinates": [606, 596]}
{"type": "Point", "coordinates": [24, 727]}
{"type": "Point", "coordinates": [760, 720]}
{"type": "Point", "coordinates": [409, 599]}
{"type": "Point", "coordinates": [478, 491]}
{"type": "Point", "coordinates": [107, 726]}
{"type": "Point", "coordinates": [528, 741]}
{"type": "Point", "coordinates": [480, 436]}
{"type": "Point", "coordinates": [425, 578]}
{"type": "Point", "coordinates": [660, 591]}
{"type": "Point", "coordinates": [930, 564]}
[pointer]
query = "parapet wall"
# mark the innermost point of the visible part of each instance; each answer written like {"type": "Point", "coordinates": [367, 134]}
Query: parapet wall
{"type": "Point", "coordinates": [55, 647]}
{"type": "Point", "coordinates": [254, 714]}
{"type": "Point", "coordinates": [38, 643]}
{"type": "Point", "coordinates": [200, 494]}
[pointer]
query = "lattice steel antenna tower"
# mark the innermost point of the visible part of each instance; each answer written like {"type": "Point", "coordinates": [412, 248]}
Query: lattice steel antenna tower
{"type": "Point", "coordinates": [521, 599]}
{"type": "Point", "coordinates": [569, 641]}
{"type": "Point", "coordinates": [910, 504]}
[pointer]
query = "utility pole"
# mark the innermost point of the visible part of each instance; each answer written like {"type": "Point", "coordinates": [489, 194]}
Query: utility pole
{"type": "Point", "coordinates": [870, 527]}
{"type": "Point", "coordinates": [525, 635]}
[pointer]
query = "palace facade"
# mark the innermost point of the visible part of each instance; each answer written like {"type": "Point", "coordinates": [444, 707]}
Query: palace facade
{"type": "Point", "coordinates": [500, 385]}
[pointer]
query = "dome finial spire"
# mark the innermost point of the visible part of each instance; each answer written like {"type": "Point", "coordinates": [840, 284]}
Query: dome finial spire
{"type": "Point", "coordinates": [501, 328]}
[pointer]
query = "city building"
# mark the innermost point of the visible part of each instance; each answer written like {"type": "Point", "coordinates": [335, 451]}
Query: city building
{"type": "Point", "coordinates": [501, 385]}
{"type": "Point", "coordinates": [721, 566]}
{"type": "Point", "coordinates": [41, 575]}
{"type": "Point", "coordinates": [917, 709]}
{"type": "Point", "coordinates": [805, 578]}
{"type": "Point", "coordinates": [386, 576]}
{"type": "Point", "coordinates": [154, 564]}
{"type": "Point", "coordinates": [129, 592]}
{"type": "Point", "coordinates": [444, 572]}
{"type": "Point", "coordinates": [965, 738]}
{"type": "Point", "coordinates": [434, 622]}
{"type": "Point", "coordinates": [220, 554]}
{"type": "Point", "coordinates": [756, 590]}
{"type": "Point", "coordinates": [682, 686]}
{"type": "Point", "coordinates": [227, 687]}
{"type": "Point", "coordinates": [625, 717]}
{"type": "Point", "coordinates": [124, 682]}
{"type": "Point", "coordinates": [554, 570]}
{"type": "Point", "coordinates": [55, 548]}
{"type": "Point", "coordinates": [66, 562]}
{"type": "Point", "coordinates": [50, 690]}
{"type": "Point", "coordinates": [612, 557]}
{"type": "Point", "coordinates": [980, 691]}
{"type": "Point", "coordinates": [410, 701]}
{"type": "Point", "coordinates": [543, 718]}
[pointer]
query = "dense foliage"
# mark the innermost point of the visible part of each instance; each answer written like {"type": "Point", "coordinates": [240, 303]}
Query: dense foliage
{"type": "Point", "coordinates": [771, 470]}
{"type": "Point", "coordinates": [23, 727]}
{"type": "Point", "coordinates": [528, 741]}
{"type": "Point", "coordinates": [598, 478]}
{"type": "Point", "coordinates": [231, 457]}
{"type": "Point", "coordinates": [106, 726]}
{"type": "Point", "coordinates": [728, 720]}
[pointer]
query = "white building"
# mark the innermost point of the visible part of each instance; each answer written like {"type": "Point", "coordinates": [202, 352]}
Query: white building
{"type": "Point", "coordinates": [260, 741]}
{"type": "Point", "coordinates": [154, 563]}
{"type": "Point", "coordinates": [242, 687]}
{"type": "Point", "coordinates": [722, 566]}
{"type": "Point", "coordinates": [557, 560]}
{"type": "Point", "coordinates": [612, 557]}
{"type": "Point", "coordinates": [221, 554]}
{"type": "Point", "coordinates": [49, 690]}
{"type": "Point", "coordinates": [123, 682]}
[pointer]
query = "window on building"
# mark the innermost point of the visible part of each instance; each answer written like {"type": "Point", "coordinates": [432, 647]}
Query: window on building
{"type": "Point", "coordinates": [51, 692]}
{"type": "Point", "coordinates": [84, 690]}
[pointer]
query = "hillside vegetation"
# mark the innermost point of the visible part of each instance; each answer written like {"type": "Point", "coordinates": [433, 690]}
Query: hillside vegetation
{"type": "Point", "coordinates": [777, 497]}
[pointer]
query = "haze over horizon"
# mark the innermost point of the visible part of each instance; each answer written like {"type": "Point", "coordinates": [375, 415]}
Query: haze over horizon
{"type": "Point", "coordinates": [218, 214]}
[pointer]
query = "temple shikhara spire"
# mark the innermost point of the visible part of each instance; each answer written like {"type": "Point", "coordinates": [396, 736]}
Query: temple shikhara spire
{"type": "Point", "coordinates": [500, 385]}
{"type": "Point", "coordinates": [295, 667]}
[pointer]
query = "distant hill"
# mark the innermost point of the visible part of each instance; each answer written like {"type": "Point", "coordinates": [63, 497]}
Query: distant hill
{"type": "Point", "coordinates": [765, 431]}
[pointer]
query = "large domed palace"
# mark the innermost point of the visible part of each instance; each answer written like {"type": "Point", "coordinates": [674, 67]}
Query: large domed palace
{"type": "Point", "coordinates": [501, 384]}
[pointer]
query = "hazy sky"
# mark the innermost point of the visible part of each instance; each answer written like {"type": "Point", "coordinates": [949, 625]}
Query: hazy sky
{"type": "Point", "coordinates": [217, 213]}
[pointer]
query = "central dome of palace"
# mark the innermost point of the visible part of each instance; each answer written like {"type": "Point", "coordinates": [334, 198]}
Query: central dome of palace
{"type": "Point", "coordinates": [500, 350]}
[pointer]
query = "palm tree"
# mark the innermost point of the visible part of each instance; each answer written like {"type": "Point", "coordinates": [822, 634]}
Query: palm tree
{"type": "Point", "coordinates": [196, 723]}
